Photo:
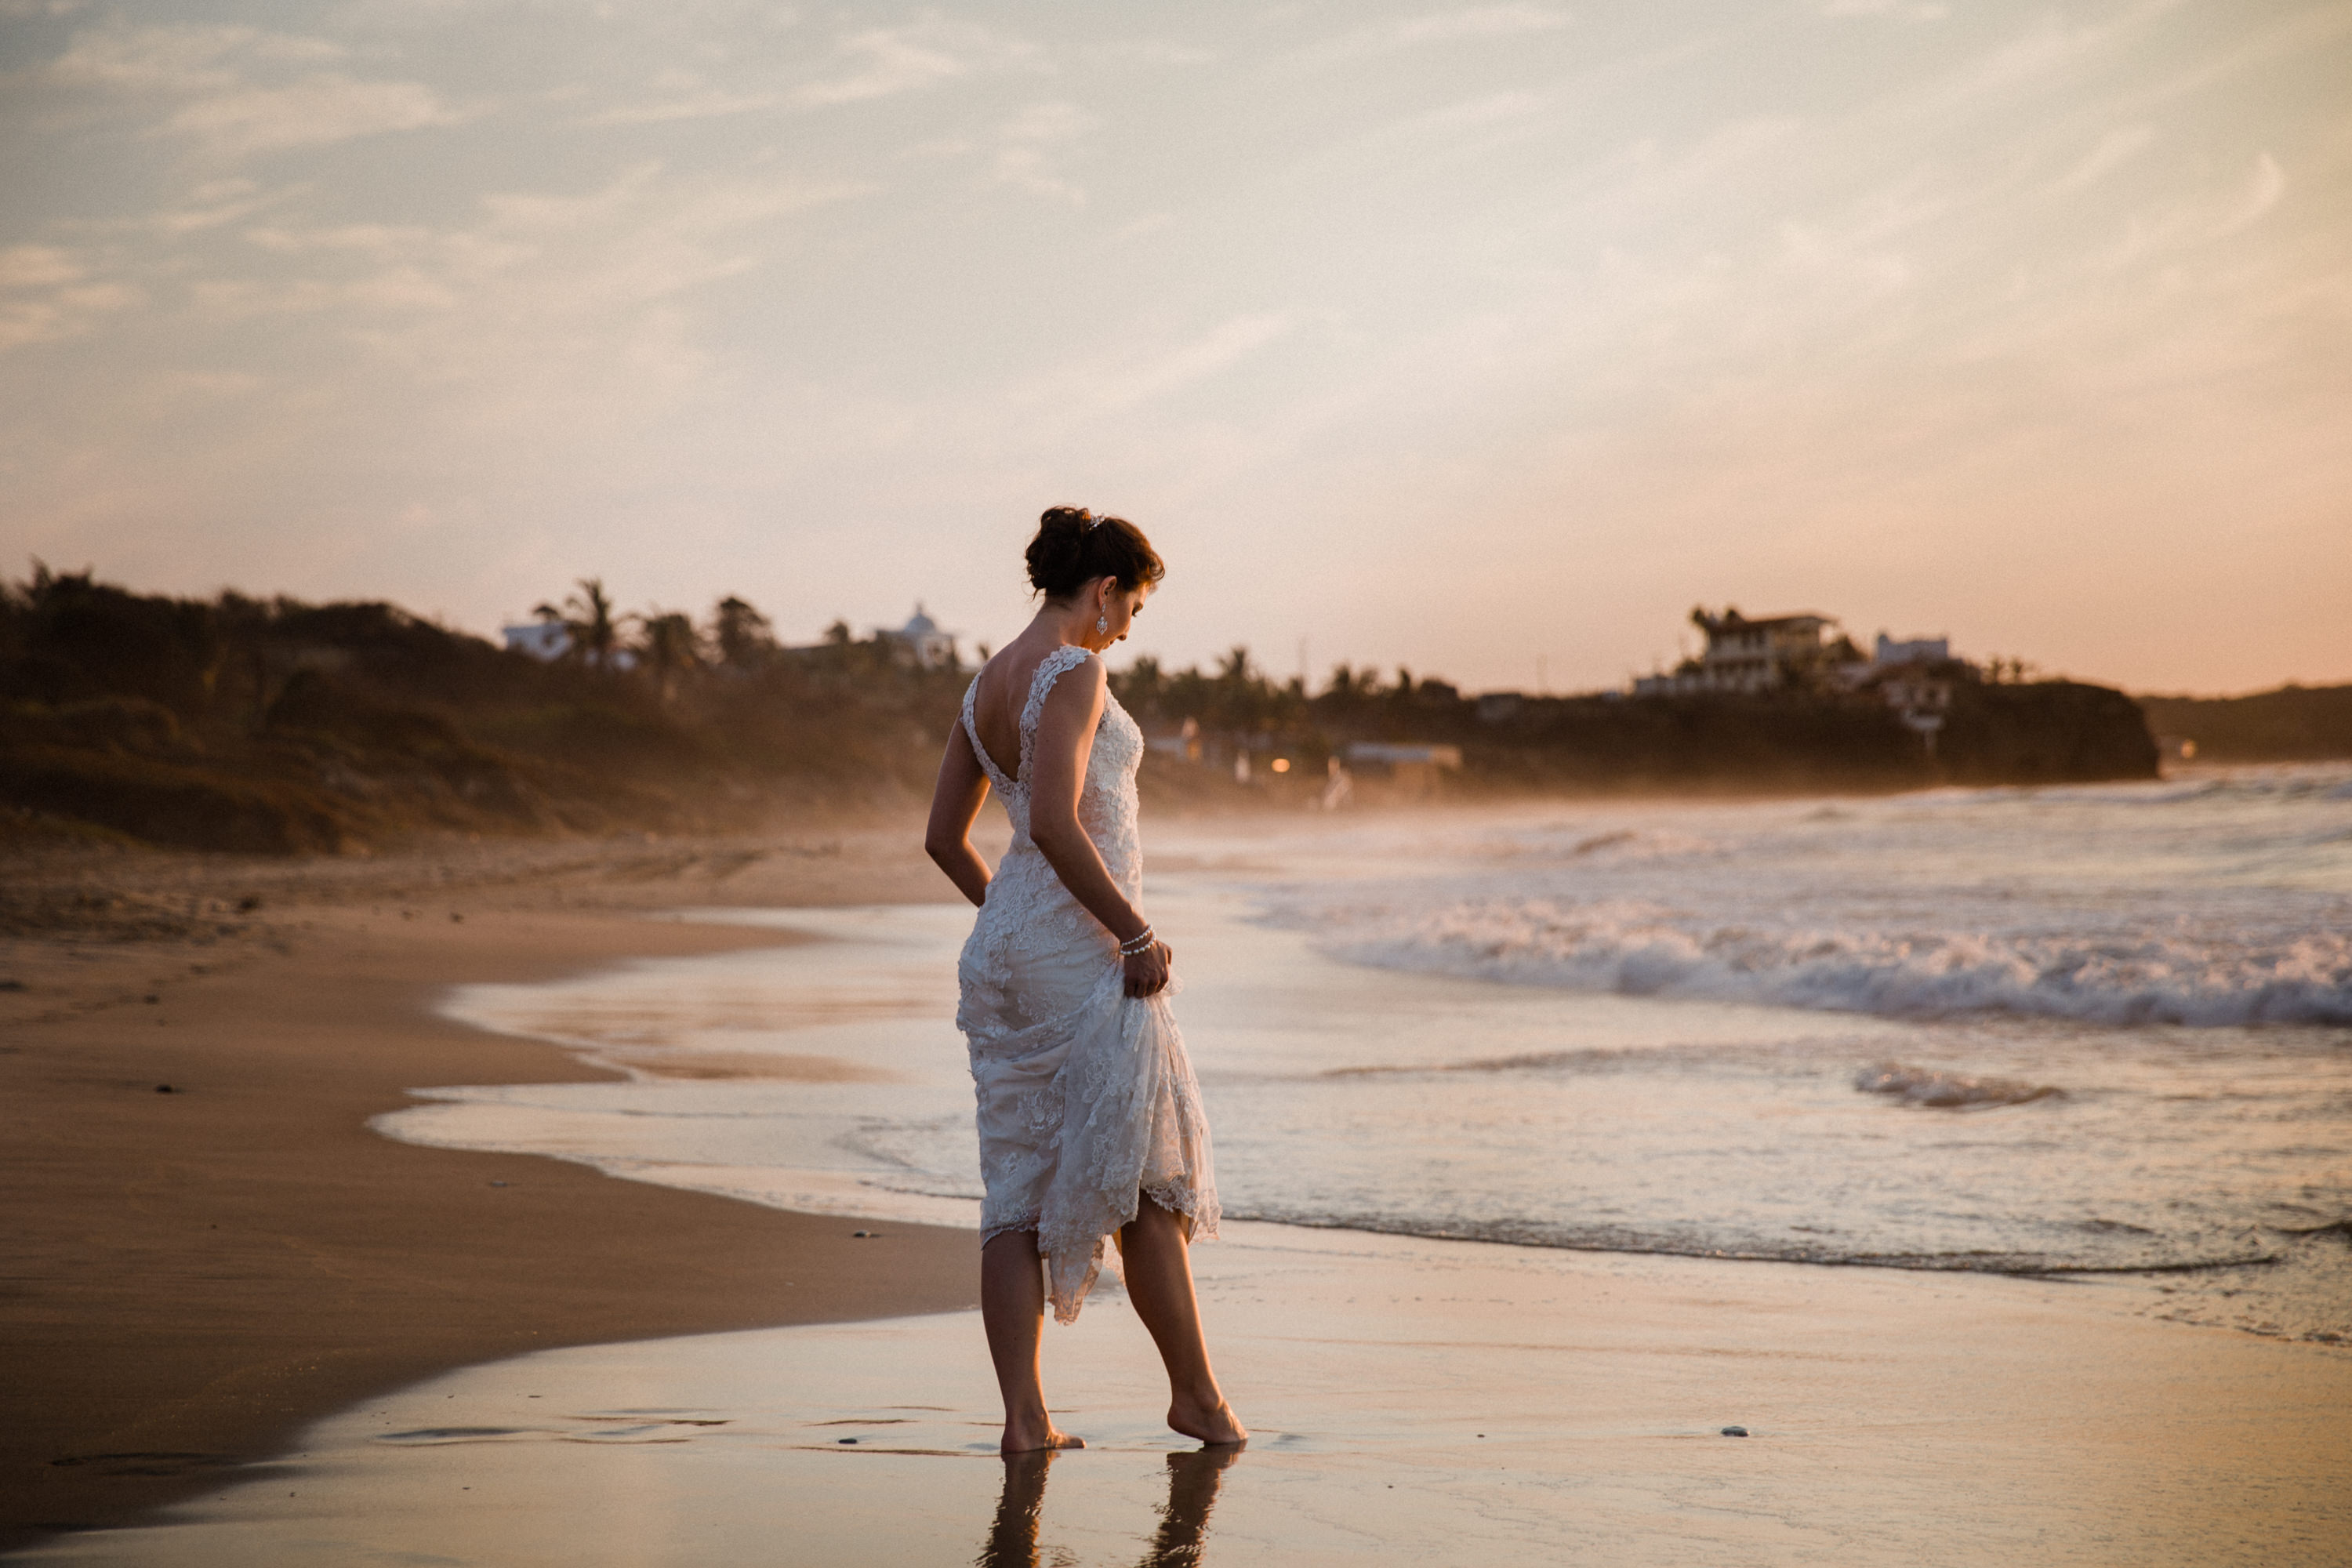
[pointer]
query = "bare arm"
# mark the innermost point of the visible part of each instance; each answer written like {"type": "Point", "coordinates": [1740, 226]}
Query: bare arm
{"type": "Point", "coordinates": [955, 804]}
{"type": "Point", "coordinates": [1057, 771]}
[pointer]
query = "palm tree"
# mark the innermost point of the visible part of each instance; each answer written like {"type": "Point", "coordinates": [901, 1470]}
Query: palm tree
{"type": "Point", "coordinates": [587, 616]}
{"type": "Point", "coordinates": [670, 649]}
{"type": "Point", "coordinates": [744, 635]}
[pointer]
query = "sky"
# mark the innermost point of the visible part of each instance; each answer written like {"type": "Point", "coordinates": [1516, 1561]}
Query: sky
{"type": "Point", "coordinates": [1485, 340]}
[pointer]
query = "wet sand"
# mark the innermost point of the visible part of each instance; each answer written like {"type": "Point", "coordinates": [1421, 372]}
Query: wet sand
{"type": "Point", "coordinates": [191, 1278]}
{"type": "Point", "coordinates": [1413, 1401]}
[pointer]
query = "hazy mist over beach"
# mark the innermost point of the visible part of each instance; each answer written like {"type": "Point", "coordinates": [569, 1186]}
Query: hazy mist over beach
{"type": "Point", "coordinates": [1457, 337]}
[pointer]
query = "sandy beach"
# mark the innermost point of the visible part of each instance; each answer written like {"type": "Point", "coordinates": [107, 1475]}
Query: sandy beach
{"type": "Point", "coordinates": [388, 1349]}
{"type": "Point", "coordinates": [194, 1276]}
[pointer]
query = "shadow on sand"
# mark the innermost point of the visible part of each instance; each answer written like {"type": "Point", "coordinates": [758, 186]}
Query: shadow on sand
{"type": "Point", "coordinates": [1193, 1480]}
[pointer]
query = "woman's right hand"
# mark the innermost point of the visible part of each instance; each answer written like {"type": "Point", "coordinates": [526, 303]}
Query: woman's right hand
{"type": "Point", "coordinates": [1147, 972]}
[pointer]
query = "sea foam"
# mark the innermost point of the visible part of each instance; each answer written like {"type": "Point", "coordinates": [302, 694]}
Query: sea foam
{"type": "Point", "coordinates": [2208, 902]}
{"type": "Point", "coordinates": [2111, 978]}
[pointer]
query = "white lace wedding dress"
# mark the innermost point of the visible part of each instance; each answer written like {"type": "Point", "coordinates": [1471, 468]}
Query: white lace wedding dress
{"type": "Point", "coordinates": [1087, 1098]}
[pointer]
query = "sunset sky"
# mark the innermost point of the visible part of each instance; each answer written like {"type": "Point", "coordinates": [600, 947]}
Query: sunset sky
{"type": "Point", "coordinates": [1456, 338]}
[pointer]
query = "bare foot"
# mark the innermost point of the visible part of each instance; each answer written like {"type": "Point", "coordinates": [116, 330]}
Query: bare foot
{"type": "Point", "coordinates": [1215, 1424]}
{"type": "Point", "coordinates": [1026, 1439]}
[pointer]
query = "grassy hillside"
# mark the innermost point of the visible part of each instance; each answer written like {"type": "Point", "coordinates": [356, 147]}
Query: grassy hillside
{"type": "Point", "coordinates": [275, 726]}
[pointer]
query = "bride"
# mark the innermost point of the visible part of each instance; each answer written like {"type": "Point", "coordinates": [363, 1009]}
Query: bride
{"type": "Point", "coordinates": [1090, 1121]}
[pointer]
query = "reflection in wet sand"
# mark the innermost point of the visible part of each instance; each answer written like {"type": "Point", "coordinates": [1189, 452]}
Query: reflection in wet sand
{"type": "Point", "coordinates": [1193, 1480]}
{"type": "Point", "coordinates": [1013, 1538]}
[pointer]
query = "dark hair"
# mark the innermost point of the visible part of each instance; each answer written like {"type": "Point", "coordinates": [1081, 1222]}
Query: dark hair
{"type": "Point", "coordinates": [1073, 547]}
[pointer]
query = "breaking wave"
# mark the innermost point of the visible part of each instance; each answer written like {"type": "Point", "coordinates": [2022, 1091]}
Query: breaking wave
{"type": "Point", "coordinates": [2149, 976]}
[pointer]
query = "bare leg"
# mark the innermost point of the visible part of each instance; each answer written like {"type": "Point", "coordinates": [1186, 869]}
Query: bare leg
{"type": "Point", "coordinates": [1013, 1308]}
{"type": "Point", "coordinates": [1160, 1283]}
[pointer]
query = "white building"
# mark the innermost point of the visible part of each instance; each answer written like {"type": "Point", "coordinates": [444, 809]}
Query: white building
{"type": "Point", "coordinates": [546, 641]}
{"type": "Point", "coordinates": [1745, 655]}
{"type": "Point", "coordinates": [921, 637]}
{"type": "Point", "coordinates": [1916, 650]}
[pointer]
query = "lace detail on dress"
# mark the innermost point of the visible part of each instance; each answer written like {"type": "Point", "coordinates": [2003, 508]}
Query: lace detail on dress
{"type": "Point", "coordinates": [1086, 1100]}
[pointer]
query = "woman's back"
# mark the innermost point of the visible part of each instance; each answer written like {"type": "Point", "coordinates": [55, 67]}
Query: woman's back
{"type": "Point", "coordinates": [1000, 692]}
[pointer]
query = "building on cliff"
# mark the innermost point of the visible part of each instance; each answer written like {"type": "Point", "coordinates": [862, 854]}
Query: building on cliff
{"type": "Point", "coordinates": [546, 640]}
{"type": "Point", "coordinates": [1772, 654]}
{"type": "Point", "coordinates": [1911, 650]}
{"type": "Point", "coordinates": [923, 641]}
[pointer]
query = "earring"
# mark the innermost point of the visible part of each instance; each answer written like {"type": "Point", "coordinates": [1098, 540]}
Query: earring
{"type": "Point", "coordinates": [1102, 624]}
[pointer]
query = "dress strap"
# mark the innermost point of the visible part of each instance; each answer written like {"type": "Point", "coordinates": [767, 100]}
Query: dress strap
{"type": "Point", "coordinates": [971, 737]}
{"type": "Point", "coordinates": [1050, 668]}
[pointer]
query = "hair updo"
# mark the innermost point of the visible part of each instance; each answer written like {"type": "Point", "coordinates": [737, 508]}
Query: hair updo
{"type": "Point", "coordinates": [1073, 547]}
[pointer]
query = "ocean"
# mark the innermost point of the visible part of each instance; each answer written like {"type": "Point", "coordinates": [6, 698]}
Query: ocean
{"type": "Point", "coordinates": [2095, 1032]}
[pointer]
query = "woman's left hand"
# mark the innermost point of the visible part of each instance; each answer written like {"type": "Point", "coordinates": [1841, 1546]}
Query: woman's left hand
{"type": "Point", "coordinates": [1147, 971]}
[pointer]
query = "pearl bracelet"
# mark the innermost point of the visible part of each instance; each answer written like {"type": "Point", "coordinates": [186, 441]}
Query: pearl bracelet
{"type": "Point", "coordinates": [1136, 945]}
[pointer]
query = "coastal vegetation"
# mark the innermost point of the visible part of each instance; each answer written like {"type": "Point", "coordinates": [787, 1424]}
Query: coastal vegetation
{"type": "Point", "coordinates": [2043, 731]}
{"type": "Point", "coordinates": [2290, 725]}
{"type": "Point", "coordinates": [275, 726]}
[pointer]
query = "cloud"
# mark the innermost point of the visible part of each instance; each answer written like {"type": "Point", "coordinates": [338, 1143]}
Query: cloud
{"type": "Point", "coordinates": [883, 62]}
{"type": "Point", "coordinates": [682, 95]}
{"type": "Point", "coordinates": [535, 272]}
{"type": "Point", "coordinates": [316, 110]}
{"type": "Point", "coordinates": [1436, 28]}
{"type": "Point", "coordinates": [1149, 52]}
{"type": "Point", "coordinates": [2114, 148]}
{"type": "Point", "coordinates": [1894, 10]}
{"type": "Point", "coordinates": [1030, 141]}
{"type": "Point", "coordinates": [175, 58]}
{"type": "Point", "coordinates": [1222, 348]}
{"type": "Point", "coordinates": [37, 267]}
{"type": "Point", "coordinates": [243, 91]}
{"type": "Point", "coordinates": [48, 294]}
{"type": "Point", "coordinates": [1479, 22]}
{"type": "Point", "coordinates": [2045, 50]}
{"type": "Point", "coordinates": [2264, 185]}
{"type": "Point", "coordinates": [2192, 221]}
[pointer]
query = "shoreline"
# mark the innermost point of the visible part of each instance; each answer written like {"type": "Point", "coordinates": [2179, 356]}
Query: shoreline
{"type": "Point", "coordinates": [192, 1277]}
{"type": "Point", "coordinates": [165, 1357]}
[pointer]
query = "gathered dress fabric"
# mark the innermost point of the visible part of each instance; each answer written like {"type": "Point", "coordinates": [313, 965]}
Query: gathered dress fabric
{"type": "Point", "coordinates": [1086, 1100]}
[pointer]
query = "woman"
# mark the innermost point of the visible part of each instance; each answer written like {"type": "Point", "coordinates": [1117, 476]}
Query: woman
{"type": "Point", "coordinates": [1090, 1122]}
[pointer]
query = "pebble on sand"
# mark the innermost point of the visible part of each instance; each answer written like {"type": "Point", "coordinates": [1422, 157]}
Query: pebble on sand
{"type": "Point", "coordinates": [1734, 1431]}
